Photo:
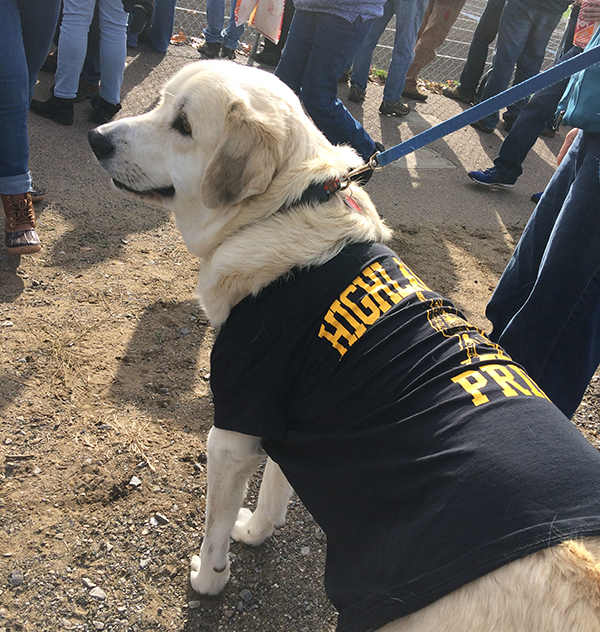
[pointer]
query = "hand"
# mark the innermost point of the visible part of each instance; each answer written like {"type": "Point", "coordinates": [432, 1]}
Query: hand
{"type": "Point", "coordinates": [591, 12]}
{"type": "Point", "coordinates": [569, 138]}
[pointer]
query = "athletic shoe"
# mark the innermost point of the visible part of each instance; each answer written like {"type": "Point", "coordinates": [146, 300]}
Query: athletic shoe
{"type": "Point", "coordinates": [536, 197]}
{"type": "Point", "coordinates": [356, 95]}
{"type": "Point", "coordinates": [491, 178]}
{"type": "Point", "coordinates": [397, 108]}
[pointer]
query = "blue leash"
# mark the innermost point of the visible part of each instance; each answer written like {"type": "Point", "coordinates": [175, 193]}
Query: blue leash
{"type": "Point", "coordinates": [512, 95]}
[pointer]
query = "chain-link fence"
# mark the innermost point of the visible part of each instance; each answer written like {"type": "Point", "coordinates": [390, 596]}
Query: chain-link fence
{"type": "Point", "coordinates": [190, 19]}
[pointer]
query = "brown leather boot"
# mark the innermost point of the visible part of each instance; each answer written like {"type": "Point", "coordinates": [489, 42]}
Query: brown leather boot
{"type": "Point", "coordinates": [19, 226]}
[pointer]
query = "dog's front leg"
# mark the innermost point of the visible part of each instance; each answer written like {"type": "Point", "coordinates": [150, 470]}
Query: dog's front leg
{"type": "Point", "coordinates": [232, 458]}
{"type": "Point", "coordinates": [275, 491]}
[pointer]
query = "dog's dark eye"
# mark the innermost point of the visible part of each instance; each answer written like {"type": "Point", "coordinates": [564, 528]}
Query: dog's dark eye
{"type": "Point", "coordinates": [182, 125]}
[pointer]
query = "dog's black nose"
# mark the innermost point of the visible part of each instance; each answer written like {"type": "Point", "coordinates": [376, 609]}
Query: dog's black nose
{"type": "Point", "coordinates": [101, 144]}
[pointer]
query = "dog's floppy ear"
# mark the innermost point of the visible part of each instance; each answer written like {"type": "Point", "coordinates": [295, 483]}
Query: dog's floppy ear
{"type": "Point", "coordinates": [246, 159]}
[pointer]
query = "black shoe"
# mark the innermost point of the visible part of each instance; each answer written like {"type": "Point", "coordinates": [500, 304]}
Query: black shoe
{"type": "Point", "coordinates": [56, 109]}
{"type": "Point", "coordinates": [482, 128]}
{"type": "Point", "coordinates": [210, 50]}
{"type": "Point", "coordinates": [267, 58]}
{"type": "Point", "coordinates": [227, 53]}
{"type": "Point", "coordinates": [397, 108]}
{"type": "Point", "coordinates": [102, 111]}
{"type": "Point", "coordinates": [356, 95]}
{"type": "Point", "coordinates": [456, 94]}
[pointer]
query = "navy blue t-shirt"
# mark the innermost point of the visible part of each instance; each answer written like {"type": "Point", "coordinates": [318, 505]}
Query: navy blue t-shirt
{"type": "Point", "coordinates": [428, 457]}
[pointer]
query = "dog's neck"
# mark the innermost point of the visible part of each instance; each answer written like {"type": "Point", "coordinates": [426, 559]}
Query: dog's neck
{"type": "Point", "coordinates": [305, 235]}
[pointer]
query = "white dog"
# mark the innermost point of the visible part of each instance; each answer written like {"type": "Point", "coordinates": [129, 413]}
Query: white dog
{"type": "Point", "coordinates": [455, 497]}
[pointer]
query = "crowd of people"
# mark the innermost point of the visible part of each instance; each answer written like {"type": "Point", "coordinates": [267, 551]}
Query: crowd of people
{"type": "Point", "coordinates": [544, 311]}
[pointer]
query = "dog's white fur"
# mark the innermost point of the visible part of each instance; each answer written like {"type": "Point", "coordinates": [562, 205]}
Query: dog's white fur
{"type": "Point", "coordinates": [236, 146]}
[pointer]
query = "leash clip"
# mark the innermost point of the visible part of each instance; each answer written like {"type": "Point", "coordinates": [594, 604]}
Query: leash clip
{"type": "Point", "coordinates": [370, 165]}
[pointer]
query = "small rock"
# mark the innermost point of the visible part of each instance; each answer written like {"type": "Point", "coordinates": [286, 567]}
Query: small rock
{"type": "Point", "coordinates": [135, 481]}
{"type": "Point", "coordinates": [98, 625]}
{"type": "Point", "coordinates": [6, 323]}
{"type": "Point", "coordinates": [160, 519]}
{"type": "Point", "coordinates": [98, 593]}
{"type": "Point", "coordinates": [305, 550]}
{"type": "Point", "coordinates": [16, 578]}
{"type": "Point", "coordinates": [144, 563]}
{"type": "Point", "coordinates": [88, 583]}
{"type": "Point", "coordinates": [246, 595]}
{"type": "Point", "coordinates": [192, 605]}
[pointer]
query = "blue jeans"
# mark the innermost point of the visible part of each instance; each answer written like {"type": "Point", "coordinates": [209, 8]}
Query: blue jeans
{"type": "Point", "coordinates": [484, 34]}
{"type": "Point", "coordinates": [214, 32]}
{"type": "Point", "coordinates": [161, 27]}
{"type": "Point", "coordinates": [409, 15]}
{"type": "Point", "coordinates": [546, 307]}
{"type": "Point", "coordinates": [523, 35]}
{"type": "Point", "coordinates": [26, 30]}
{"type": "Point", "coordinates": [319, 47]}
{"type": "Point", "coordinates": [530, 123]}
{"type": "Point", "coordinates": [72, 47]}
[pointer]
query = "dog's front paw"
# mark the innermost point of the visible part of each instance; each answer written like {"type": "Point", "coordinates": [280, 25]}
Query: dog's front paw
{"type": "Point", "coordinates": [207, 581]}
{"type": "Point", "coordinates": [251, 529]}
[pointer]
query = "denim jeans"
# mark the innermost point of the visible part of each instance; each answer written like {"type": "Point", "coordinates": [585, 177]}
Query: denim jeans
{"type": "Point", "coordinates": [161, 26]}
{"type": "Point", "coordinates": [409, 15]}
{"type": "Point", "coordinates": [72, 47]}
{"type": "Point", "coordinates": [530, 123]}
{"type": "Point", "coordinates": [484, 34]}
{"type": "Point", "coordinates": [214, 32]}
{"type": "Point", "coordinates": [26, 30]}
{"type": "Point", "coordinates": [320, 46]}
{"type": "Point", "coordinates": [523, 35]}
{"type": "Point", "coordinates": [545, 310]}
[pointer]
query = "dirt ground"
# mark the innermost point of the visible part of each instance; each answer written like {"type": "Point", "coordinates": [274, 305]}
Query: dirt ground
{"type": "Point", "coordinates": [105, 406]}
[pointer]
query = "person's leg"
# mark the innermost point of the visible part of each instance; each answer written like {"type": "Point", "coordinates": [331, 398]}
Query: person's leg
{"type": "Point", "coordinates": [295, 54]}
{"type": "Point", "coordinates": [232, 33]}
{"type": "Point", "coordinates": [532, 57]}
{"type": "Point", "coordinates": [546, 308]}
{"type": "Point", "coordinates": [335, 43]}
{"type": "Point", "coordinates": [361, 64]}
{"type": "Point", "coordinates": [530, 123]}
{"type": "Point", "coordinates": [72, 46]}
{"type": "Point", "coordinates": [516, 23]}
{"type": "Point", "coordinates": [161, 28]}
{"type": "Point", "coordinates": [438, 20]}
{"type": "Point", "coordinates": [484, 34]}
{"type": "Point", "coordinates": [409, 17]}
{"type": "Point", "coordinates": [113, 49]}
{"type": "Point", "coordinates": [14, 103]}
{"type": "Point", "coordinates": [90, 73]}
{"type": "Point", "coordinates": [39, 19]}
{"type": "Point", "coordinates": [215, 18]}
{"type": "Point", "coordinates": [24, 44]}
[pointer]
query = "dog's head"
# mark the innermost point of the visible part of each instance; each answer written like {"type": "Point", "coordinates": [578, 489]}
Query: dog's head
{"type": "Point", "coordinates": [222, 134]}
